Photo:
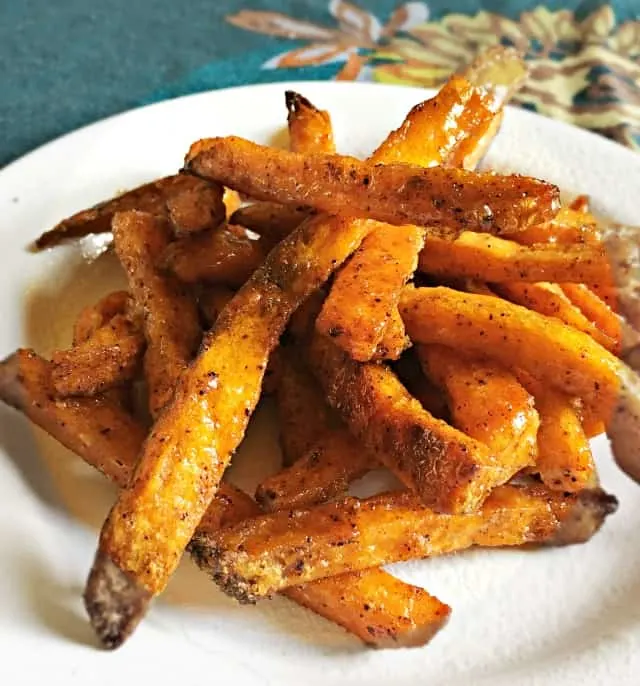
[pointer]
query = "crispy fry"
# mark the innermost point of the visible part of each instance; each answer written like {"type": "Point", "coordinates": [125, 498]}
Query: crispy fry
{"type": "Point", "coordinates": [302, 411]}
{"type": "Point", "coordinates": [486, 402]}
{"type": "Point", "coordinates": [196, 208]}
{"type": "Point", "coordinates": [365, 293]}
{"type": "Point", "coordinates": [375, 606]}
{"type": "Point", "coordinates": [596, 310]}
{"type": "Point", "coordinates": [170, 316]}
{"type": "Point", "coordinates": [92, 317]}
{"type": "Point", "coordinates": [150, 197]}
{"type": "Point", "coordinates": [398, 194]}
{"type": "Point", "coordinates": [324, 472]}
{"type": "Point", "coordinates": [310, 129]}
{"type": "Point", "coordinates": [108, 358]}
{"type": "Point", "coordinates": [555, 353]}
{"type": "Point", "coordinates": [434, 130]}
{"type": "Point", "coordinates": [488, 258]}
{"type": "Point", "coordinates": [193, 440]}
{"type": "Point", "coordinates": [447, 469]}
{"type": "Point", "coordinates": [394, 339]}
{"type": "Point", "coordinates": [212, 300]}
{"type": "Point", "coordinates": [550, 299]}
{"type": "Point", "coordinates": [568, 227]}
{"type": "Point", "coordinates": [270, 220]}
{"type": "Point", "coordinates": [264, 555]}
{"type": "Point", "coordinates": [227, 256]}
{"type": "Point", "coordinates": [564, 461]}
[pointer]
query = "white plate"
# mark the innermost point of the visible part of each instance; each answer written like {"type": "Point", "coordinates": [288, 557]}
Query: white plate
{"type": "Point", "coordinates": [562, 616]}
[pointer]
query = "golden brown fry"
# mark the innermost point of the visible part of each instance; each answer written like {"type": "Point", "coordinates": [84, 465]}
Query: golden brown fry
{"type": "Point", "coordinates": [447, 469]}
{"type": "Point", "coordinates": [272, 221]}
{"type": "Point", "coordinates": [596, 310]}
{"type": "Point", "coordinates": [310, 129]}
{"type": "Point", "coordinates": [212, 300]}
{"type": "Point", "coordinates": [486, 402]}
{"type": "Point", "coordinates": [398, 194]}
{"type": "Point", "coordinates": [394, 339]}
{"type": "Point", "coordinates": [108, 358]}
{"type": "Point", "coordinates": [226, 256]}
{"type": "Point", "coordinates": [264, 555]}
{"type": "Point", "coordinates": [196, 208]}
{"type": "Point", "coordinates": [325, 471]}
{"type": "Point", "coordinates": [564, 461]}
{"type": "Point", "coordinates": [96, 428]}
{"type": "Point", "coordinates": [488, 258]}
{"type": "Point", "coordinates": [151, 197]}
{"type": "Point", "coordinates": [375, 606]}
{"type": "Point", "coordinates": [549, 299]}
{"type": "Point", "coordinates": [192, 442]}
{"type": "Point", "coordinates": [302, 411]}
{"type": "Point", "coordinates": [568, 227]}
{"type": "Point", "coordinates": [517, 337]}
{"type": "Point", "coordinates": [365, 293]}
{"type": "Point", "coordinates": [170, 315]}
{"type": "Point", "coordinates": [92, 317]}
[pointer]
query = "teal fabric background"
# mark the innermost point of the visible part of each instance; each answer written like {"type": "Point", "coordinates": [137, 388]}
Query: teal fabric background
{"type": "Point", "coordinates": [67, 63]}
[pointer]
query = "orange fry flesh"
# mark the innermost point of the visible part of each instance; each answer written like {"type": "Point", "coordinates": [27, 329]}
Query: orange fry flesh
{"type": "Point", "coordinates": [266, 554]}
{"type": "Point", "coordinates": [555, 353]}
{"type": "Point", "coordinates": [595, 309]}
{"type": "Point", "coordinates": [489, 258]}
{"type": "Point", "coordinates": [192, 442]}
{"type": "Point", "coordinates": [394, 339]}
{"type": "Point", "coordinates": [170, 316]}
{"type": "Point", "coordinates": [365, 293]}
{"type": "Point", "coordinates": [449, 471]}
{"type": "Point", "coordinates": [568, 227]}
{"type": "Point", "coordinates": [397, 194]}
{"type": "Point", "coordinates": [310, 129]}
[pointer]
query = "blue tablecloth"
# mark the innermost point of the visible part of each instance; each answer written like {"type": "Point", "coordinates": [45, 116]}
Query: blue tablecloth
{"type": "Point", "coordinates": [66, 63]}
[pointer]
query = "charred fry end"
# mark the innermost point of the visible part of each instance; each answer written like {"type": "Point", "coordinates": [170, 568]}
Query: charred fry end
{"type": "Point", "coordinates": [114, 602]}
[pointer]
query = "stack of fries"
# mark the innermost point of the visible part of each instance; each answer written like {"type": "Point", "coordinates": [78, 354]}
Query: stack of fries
{"type": "Point", "coordinates": [456, 327]}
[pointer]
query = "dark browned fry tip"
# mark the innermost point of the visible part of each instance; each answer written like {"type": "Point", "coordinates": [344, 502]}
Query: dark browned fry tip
{"type": "Point", "coordinates": [210, 559]}
{"type": "Point", "coordinates": [585, 517]}
{"type": "Point", "coordinates": [296, 102]}
{"type": "Point", "coordinates": [114, 601]}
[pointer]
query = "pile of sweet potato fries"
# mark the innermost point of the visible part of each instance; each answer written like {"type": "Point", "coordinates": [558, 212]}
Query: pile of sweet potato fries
{"type": "Point", "coordinates": [407, 311]}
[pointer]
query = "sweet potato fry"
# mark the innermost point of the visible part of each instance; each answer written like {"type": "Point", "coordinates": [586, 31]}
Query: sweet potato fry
{"type": "Point", "coordinates": [151, 197]}
{"type": "Point", "coordinates": [266, 554]}
{"type": "Point", "coordinates": [325, 471]}
{"type": "Point", "coordinates": [398, 194]}
{"type": "Point", "coordinates": [394, 339]}
{"type": "Point", "coordinates": [432, 398]}
{"type": "Point", "coordinates": [232, 202]}
{"type": "Point", "coordinates": [310, 129]}
{"type": "Point", "coordinates": [270, 220]}
{"type": "Point", "coordinates": [212, 300]}
{"type": "Point", "coordinates": [487, 402]}
{"type": "Point", "coordinates": [365, 293]}
{"type": "Point", "coordinates": [550, 299]}
{"type": "Point", "coordinates": [227, 256]}
{"type": "Point", "coordinates": [107, 359]}
{"type": "Point", "coordinates": [92, 317]}
{"type": "Point", "coordinates": [192, 442]}
{"type": "Point", "coordinates": [447, 469]}
{"type": "Point", "coordinates": [581, 203]}
{"type": "Point", "coordinates": [555, 353]}
{"type": "Point", "coordinates": [302, 411]}
{"type": "Point", "coordinates": [375, 606]}
{"type": "Point", "coordinates": [596, 310]}
{"type": "Point", "coordinates": [488, 258]}
{"type": "Point", "coordinates": [564, 460]}
{"type": "Point", "coordinates": [170, 315]}
{"type": "Point", "coordinates": [568, 227]}
{"type": "Point", "coordinates": [196, 208]}
{"type": "Point", "coordinates": [434, 130]}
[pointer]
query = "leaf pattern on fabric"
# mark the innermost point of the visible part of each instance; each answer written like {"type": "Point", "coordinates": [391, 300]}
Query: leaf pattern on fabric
{"type": "Point", "coordinates": [586, 72]}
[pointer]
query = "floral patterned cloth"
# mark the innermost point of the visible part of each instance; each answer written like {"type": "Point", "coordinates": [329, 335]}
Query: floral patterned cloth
{"type": "Point", "coordinates": [585, 65]}
{"type": "Point", "coordinates": [74, 62]}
